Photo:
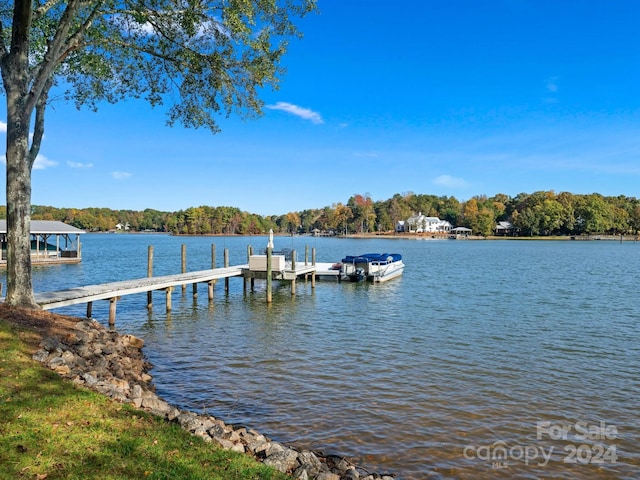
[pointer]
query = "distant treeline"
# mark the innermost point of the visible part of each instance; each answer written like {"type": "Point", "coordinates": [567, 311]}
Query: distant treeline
{"type": "Point", "coordinates": [538, 213]}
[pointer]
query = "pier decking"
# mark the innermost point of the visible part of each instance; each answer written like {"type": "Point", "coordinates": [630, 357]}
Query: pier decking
{"type": "Point", "coordinates": [113, 291]}
{"type": "Point", "coordinates": [106, 291]}
{"type": "Point", "coordinates": [267, 267]}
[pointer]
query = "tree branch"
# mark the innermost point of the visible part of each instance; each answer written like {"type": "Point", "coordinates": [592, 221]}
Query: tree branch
{"type": "Point", "coordinates": [49, 62]}
{"type": "Point", "coordinates": [44, 8]}
{"type": "Point", "coordinates": [3, 47]}
{"type": "Point", "coordinates": [38, 129]}
{"type": "Point", "coordinates": [75, 40]}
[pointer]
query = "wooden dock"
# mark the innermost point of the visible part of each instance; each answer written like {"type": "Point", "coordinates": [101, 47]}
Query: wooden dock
{"type": "Point", "coordinates": [270, 267]}
{"type": "Point", "coordinates": [289, 271]}
{"type": "Point", "coordinates": [106, 291]}
{"type": "Point", "coordinates": [114, 290]}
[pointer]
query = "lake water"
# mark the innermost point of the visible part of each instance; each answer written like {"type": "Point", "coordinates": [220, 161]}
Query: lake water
{"type": "Point", "coordinates": [487, 359]}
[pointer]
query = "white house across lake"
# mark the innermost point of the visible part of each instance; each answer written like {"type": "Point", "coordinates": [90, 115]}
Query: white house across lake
{"type": "Point", "coordinates": [422, 224]}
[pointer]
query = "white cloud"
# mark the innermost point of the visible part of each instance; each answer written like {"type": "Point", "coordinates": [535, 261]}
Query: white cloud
{"type": "Point", "coordinates": [450, 182]}
{"type": "Point", "coordinates": [301, 112]}
{"type": "Point", "coordinates": [552, 84]}
{"type": "Point", "coordinates": [121, 175]}
{"type": "Point", "coordinates": [79, 165]}
{"type": "Point", "coordinates": [43, 162]}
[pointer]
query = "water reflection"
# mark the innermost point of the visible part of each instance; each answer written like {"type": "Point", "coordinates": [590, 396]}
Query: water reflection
{"type": "Point", "coordinates": [475, 344]}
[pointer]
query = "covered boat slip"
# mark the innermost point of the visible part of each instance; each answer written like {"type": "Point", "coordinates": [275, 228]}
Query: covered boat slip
{"type": "Point", "coordinates": [51, 242]}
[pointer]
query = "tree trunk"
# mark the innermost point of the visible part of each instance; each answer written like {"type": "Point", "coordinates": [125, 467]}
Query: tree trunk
{"type": "Point", "coordinates": [20, 105]}
{"type": "Point", "coordinates": [19, 283]}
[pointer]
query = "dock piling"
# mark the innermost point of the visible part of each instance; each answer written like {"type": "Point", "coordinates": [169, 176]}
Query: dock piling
{"type": "Point", "coordinates": [252, 281]}
{"type": "Point", "coordinates": [168, 292]}
{"type": "Point", "coordinates": [226, 264]}
{"type": "Point", "coordinates": [313, 263]}
{"type": "Point", "coordinates": [293, 267]}
{"type": "Point", "coordinates": [184, 265]}
{"type": "Point", "coordinates": [213, 266]}
{"type": "Point", "coordinates": [269, 275]}
{"type": "Point", "coordinates": [112, 311]}
{"type": "Point", "coordinates": [244, 279]}
{"type": "Point", "coordinates": [149, 275]}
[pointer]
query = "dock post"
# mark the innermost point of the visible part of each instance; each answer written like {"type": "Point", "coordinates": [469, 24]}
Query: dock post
{"type": "Point", "coordinates": [244, 278]}
{"type": "Point", "coordinates": [184, 265]}
{"type": "Point", "coordinates": [150, 274]}
{"type": "Point", "coordinates": [168, 292]}
{"type": "Point", "coordinates": [213, 266]}
{"type": "Point", "coordinates": [195, 290]}
{"type": "Point", "coordinates": [112, 311]}
{"type": "Point", "coordinates": [293, 267]}
{"type": "Point", "coordinates": [226, 265]}
{"type": "Point", "coordinates": [306, 261]}
{"type": "Point", "coordinates": [89, 309]}
{"type": "Point", "coordinates": [269, 277]}
{"type": "Point", "coordinates": [313, 262]}
{"type": "Point", "coordinates": [252, 281]}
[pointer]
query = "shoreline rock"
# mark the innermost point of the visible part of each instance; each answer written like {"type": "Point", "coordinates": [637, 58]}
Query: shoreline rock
{"type": "Point", "coordinates": [114, 365]}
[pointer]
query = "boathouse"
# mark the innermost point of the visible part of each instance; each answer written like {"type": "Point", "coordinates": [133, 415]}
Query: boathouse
{"type": "Point", "coordinates": [504, 228]}
{"type": "Point", "coordinates": [52, 242]}
{"type": "Point", "coordinates": [460, 232]}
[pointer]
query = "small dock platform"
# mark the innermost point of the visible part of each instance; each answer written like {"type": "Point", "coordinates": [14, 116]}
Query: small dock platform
{"type": "Point", "coordinates": [326, 271]}
{"type": "Point", "coordinates": [288, 274]}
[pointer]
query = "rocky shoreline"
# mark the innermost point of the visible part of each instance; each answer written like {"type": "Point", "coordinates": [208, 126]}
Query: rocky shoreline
{"type": "Point", "coordinates": [113, 364]}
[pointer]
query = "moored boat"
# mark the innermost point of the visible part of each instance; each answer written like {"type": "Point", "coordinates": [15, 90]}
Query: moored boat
{"type": "Point", "coordinates": [374, 267]}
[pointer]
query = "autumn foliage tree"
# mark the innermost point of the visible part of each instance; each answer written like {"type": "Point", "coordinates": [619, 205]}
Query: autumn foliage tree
{"type": "Point", "coordinates": [364, 215]}
{"type": "Point", "coordinates": [208, 57]}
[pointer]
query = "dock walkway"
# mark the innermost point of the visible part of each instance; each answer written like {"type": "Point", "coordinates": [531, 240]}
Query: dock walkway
{"type": "Point", "coordinates": [267, 267]}
{"type": "Point", "coordinates": [113, 291]}
{"type": "Point", "coordinates": [108, 291]}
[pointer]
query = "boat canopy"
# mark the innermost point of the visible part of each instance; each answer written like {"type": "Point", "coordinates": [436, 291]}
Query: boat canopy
{"type": "Point", "coordinates": [373, 257]}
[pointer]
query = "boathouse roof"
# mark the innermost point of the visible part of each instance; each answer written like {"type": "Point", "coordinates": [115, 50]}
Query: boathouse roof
{"type": "Point", "coordinates": [46, 227]}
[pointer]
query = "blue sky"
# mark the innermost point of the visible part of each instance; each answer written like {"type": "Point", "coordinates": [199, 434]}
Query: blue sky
{"type": "Point", "coordinates": [447, 97]}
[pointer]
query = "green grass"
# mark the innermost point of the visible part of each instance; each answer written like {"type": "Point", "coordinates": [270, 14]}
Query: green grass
{"type": "Point", "coordinates": [50, 429]}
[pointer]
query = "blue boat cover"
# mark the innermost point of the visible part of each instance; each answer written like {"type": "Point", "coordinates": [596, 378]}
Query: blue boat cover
{"type": "Point", "coordinates": [372, 257]}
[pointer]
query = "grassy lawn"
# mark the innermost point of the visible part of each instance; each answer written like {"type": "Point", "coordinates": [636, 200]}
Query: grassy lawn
{"type": "Point", "coordinates": [50, 429]}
